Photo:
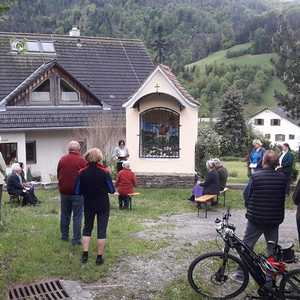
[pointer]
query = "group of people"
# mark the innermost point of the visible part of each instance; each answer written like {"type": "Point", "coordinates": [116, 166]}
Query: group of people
{"type": "Point", "coordinates": [215, 180]}
{"type": "Point", "coordinates": [285, 160]}
{"type": "Point", "coordinates": [84, 184]}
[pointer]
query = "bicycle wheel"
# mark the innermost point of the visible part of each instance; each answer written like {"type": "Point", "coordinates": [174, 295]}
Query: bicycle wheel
{"type": "Point", "coordinates": [212, 277]}
{"type": "Point", "coordinates": [290, 285]}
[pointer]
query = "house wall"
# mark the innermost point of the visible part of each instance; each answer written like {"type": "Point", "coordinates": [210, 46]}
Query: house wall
{"type": "Point", "coordinates": [188, 136]}
{"type": "Point", "coordinates": [18, 138]}
{"type": "Point", "coordinates": [286, 128]}
{"type": "Point", "coordinates": [50, 147]}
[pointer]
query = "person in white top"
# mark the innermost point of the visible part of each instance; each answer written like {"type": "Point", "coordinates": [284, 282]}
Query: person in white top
{"type": "Point", "coordinates": [120, 154]}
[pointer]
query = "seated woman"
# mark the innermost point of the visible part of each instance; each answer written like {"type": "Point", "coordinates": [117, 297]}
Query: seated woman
{"type": "Point", "coordinates": [126, 181]}
{"type": "Point", "coordinates": [15, 186]}
{"type": "Point", "coordinates": [197, 190]}
{"type": "Point", "coordinates": [211, 185]}
{"type": "Point", "coordinates": [222, 172]}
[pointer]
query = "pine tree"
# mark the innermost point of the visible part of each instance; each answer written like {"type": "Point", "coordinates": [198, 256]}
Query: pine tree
{"type": "Point", "coordinates": [287, 47]}
{"type": "Point", "coordinates": [231, 124]}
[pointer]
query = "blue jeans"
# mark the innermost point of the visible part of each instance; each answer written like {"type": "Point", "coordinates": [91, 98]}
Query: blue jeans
{"type": "Point", "coordinates": [71, 204]}
{"type": "Point", "coordinates": [298, 226]}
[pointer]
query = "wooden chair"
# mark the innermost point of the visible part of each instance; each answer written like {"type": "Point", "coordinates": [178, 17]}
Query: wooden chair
{"type": "Point", "coordinates": [15, 199]}
{"type": "Point", "coordinates": [223, 192]}
{"type": "Point", "coordinates": [204, 199]}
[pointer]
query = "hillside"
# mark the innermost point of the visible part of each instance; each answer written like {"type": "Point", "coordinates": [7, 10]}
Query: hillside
{"type": "Point", "coordinates": [259, 62]}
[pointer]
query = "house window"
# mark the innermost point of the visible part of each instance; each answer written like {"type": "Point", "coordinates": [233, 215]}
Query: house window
{"type": "Point", "coordinates": [9, 152]}
{"type": "Point", "coordinates": [159, 133]}
{"type": "Point", "coordinates": [275, 122]}
{"type": "Point", "coordinates": [31, 152]}
{"type": "Point", "coordinates": [291, 136]}
{"type": "Point", "coordinates": [68, 93]}
{"type": "Point", "coordinates": [42, 92]}
{"type": "Point", "coordinates": [259, 122]}
{"type": "Point", "coordinates": [279, 137]}
{"type": "Point", "coordinates": [83, 146]}
{"type": "Point", "coordinates": [268, 136]}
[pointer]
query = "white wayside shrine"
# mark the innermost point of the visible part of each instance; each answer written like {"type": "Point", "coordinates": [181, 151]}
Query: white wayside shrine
{"type": "Point", "coordinates": [161, 130]}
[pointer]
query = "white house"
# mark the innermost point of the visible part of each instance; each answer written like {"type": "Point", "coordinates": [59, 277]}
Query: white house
{"type": "Point", "coordinates": [55, 88]}
{"type": "Point", "coordinates": [276, 126]}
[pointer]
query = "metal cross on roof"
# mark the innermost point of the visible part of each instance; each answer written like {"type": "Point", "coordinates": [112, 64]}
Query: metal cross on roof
{"type": "Point", "coordinates": [157, 86]}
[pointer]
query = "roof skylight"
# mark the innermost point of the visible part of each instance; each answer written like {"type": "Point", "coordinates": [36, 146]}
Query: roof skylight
{"type": "Point", "coordinates": [26, 46]}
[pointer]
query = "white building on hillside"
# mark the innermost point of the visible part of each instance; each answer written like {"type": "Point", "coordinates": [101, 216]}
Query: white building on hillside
{"type": "Point", "coordinates": [275, 125]}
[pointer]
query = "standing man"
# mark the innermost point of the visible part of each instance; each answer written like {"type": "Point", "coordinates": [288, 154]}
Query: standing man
{"type": "Point", "coordinates": [67, 172]}
{"type": "Point", "coordinates": [264, 199]}
{"type": "Point", "coordinates": [2, 177]}
{"type": "Point", "coordinates": [296, 198]}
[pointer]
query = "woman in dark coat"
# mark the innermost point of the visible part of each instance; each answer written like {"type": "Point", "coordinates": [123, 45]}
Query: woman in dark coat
{"type": "Point", "coordinates": [94, 183]}
{"type": "Point", "coordinates": [211, 185]}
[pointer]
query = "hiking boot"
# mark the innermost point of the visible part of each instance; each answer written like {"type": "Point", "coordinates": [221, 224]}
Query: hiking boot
{"type": "Point", "coordinates": [99, 260]}
{"type": "Point", "coordinates": [84, 257]}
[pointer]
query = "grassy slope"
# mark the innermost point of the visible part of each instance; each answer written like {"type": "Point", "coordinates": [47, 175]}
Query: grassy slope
{"type": "Point", "coordinates": [261, 59]}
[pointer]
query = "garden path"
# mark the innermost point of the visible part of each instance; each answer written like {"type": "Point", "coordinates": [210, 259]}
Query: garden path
{"type": "Point", "coordinates": [142, 277]}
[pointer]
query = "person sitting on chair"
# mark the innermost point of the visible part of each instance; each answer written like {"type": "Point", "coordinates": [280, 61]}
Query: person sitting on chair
{"type": "Point", "coordinates": [16, 188]}
{"type": "Point", "coordinates": [126, 182]}
{"type": "Point", "coordinates": [222, 172]}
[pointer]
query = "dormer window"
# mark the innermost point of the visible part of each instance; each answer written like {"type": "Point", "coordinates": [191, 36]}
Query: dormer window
{"type": "Point", "coordinates": [41, 94]}
{"type": "Point", "coordinates": [68, 93]}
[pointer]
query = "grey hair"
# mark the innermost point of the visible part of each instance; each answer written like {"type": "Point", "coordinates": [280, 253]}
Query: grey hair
{"type": "Point", "coordinates": [126, 165]}
{"type": "Point", "coordinates": [217, 162]}
{"type": "Point", "coordinates": [257, 141]}
{"type": "Point", "coordinates": [210, 164]}
{"type": "Point", "coordinates": [15, 167]}
{"type": "Point", "coordinates": [74, 146]}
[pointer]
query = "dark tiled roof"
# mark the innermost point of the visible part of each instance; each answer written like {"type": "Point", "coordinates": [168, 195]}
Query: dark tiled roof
{"type": "Point", "coordinates": [35, 75]}
{"type": "Point", "coordinates": [17, 117]}
{"type": "Point", "coordinates": [112, 69]}
{"type": "Point", "coordinates": [178, 85]}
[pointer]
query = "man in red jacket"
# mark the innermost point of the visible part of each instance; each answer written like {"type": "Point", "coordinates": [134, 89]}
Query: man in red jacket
{"type": "Point", "coordinates": [67, 171]}
{"type": "Point", "coordinates": [126, 181]}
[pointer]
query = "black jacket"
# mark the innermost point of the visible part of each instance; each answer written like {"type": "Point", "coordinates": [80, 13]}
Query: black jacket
{"type": "Point", "coordinates": [94, 183]}
{"type": "Point", "coordinates": [211, 185]}
{"type": "Point", "coordinates": [14, 186]}
{"type": "Point", "coordinates": [265, 197]}
{"type": "Point", "coordinates": [223, 175]}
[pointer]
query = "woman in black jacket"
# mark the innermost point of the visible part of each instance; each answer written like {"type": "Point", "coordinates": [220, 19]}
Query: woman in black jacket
{"type": "Point", "coordinates": [211, 185]}
{"type": "Point", "coordinates": [94, 183]}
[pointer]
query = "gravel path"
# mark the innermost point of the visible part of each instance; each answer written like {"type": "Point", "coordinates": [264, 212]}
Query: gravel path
{"type": "Point", "coordinates": [143, 277]}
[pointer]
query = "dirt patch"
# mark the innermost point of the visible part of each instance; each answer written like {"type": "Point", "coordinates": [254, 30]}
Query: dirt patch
{"type": "Point", "coordinates": [143, 277]}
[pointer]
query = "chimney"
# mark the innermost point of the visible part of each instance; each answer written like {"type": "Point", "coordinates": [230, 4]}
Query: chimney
{"type": "Point", "coordinates": [74, 31]}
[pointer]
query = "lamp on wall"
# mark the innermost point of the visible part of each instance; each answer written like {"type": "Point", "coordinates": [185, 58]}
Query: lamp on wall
{"type": "Point", "coordinates": [157, 86]}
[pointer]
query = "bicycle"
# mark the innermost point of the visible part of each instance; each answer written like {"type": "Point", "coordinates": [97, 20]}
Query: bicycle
{"type": "Point", "coordinates": [213, 275]}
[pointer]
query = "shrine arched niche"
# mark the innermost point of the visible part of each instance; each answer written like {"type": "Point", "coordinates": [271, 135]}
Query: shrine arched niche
{"type": "Point", "coordinates": [159, 133]}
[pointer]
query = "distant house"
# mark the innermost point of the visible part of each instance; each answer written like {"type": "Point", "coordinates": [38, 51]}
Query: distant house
{"type": "Point", "coordinates": [54, 88]}
{"type": "Point", "coordinates": [276, 126]}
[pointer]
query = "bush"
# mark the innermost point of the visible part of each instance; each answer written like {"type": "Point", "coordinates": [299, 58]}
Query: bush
{"type": "Point", "coordinates": [237, 53]}
{"type": "Point", "coordinates": [210, 144]}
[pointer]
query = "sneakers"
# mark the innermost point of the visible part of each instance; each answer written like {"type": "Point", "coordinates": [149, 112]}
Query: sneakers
{"type": "Point", "coordinates": [99, 260]}
{"type": "Point", "coordinates": [84, 257]}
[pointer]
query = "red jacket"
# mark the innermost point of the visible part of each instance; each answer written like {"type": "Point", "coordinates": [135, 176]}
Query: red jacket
{"type": "Point", "coordinates": [67, 171]}
{"type": "Point", "coordinates": [126, 181]}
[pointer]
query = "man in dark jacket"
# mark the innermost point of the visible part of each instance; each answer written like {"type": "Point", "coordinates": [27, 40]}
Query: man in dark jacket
{"type": "Point", "coordinates": [264, 199]}
{"type": "Point", "coordinates": [296, 198]}
{"type": "Point", "coordinates": [67, 172]}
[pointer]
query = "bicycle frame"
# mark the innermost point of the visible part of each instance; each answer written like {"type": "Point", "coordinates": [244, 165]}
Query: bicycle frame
{"type": "Point", "coordinates": [249, 258]}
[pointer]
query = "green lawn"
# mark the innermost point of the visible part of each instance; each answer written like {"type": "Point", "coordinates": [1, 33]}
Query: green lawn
{"type": "Point", "coordinates": [219, 57]}
{"type": "Point", "coordinates": [31, 249]}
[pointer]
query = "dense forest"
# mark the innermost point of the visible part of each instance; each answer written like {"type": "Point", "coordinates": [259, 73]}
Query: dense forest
{"type": "Point", "coordinates": [179, 32]}
{"type": "Point", "coordinates": [182, 31]}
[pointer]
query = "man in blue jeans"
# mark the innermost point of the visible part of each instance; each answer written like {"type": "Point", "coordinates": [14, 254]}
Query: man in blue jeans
{"type": "Point", "coordinates": [67, 172]}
